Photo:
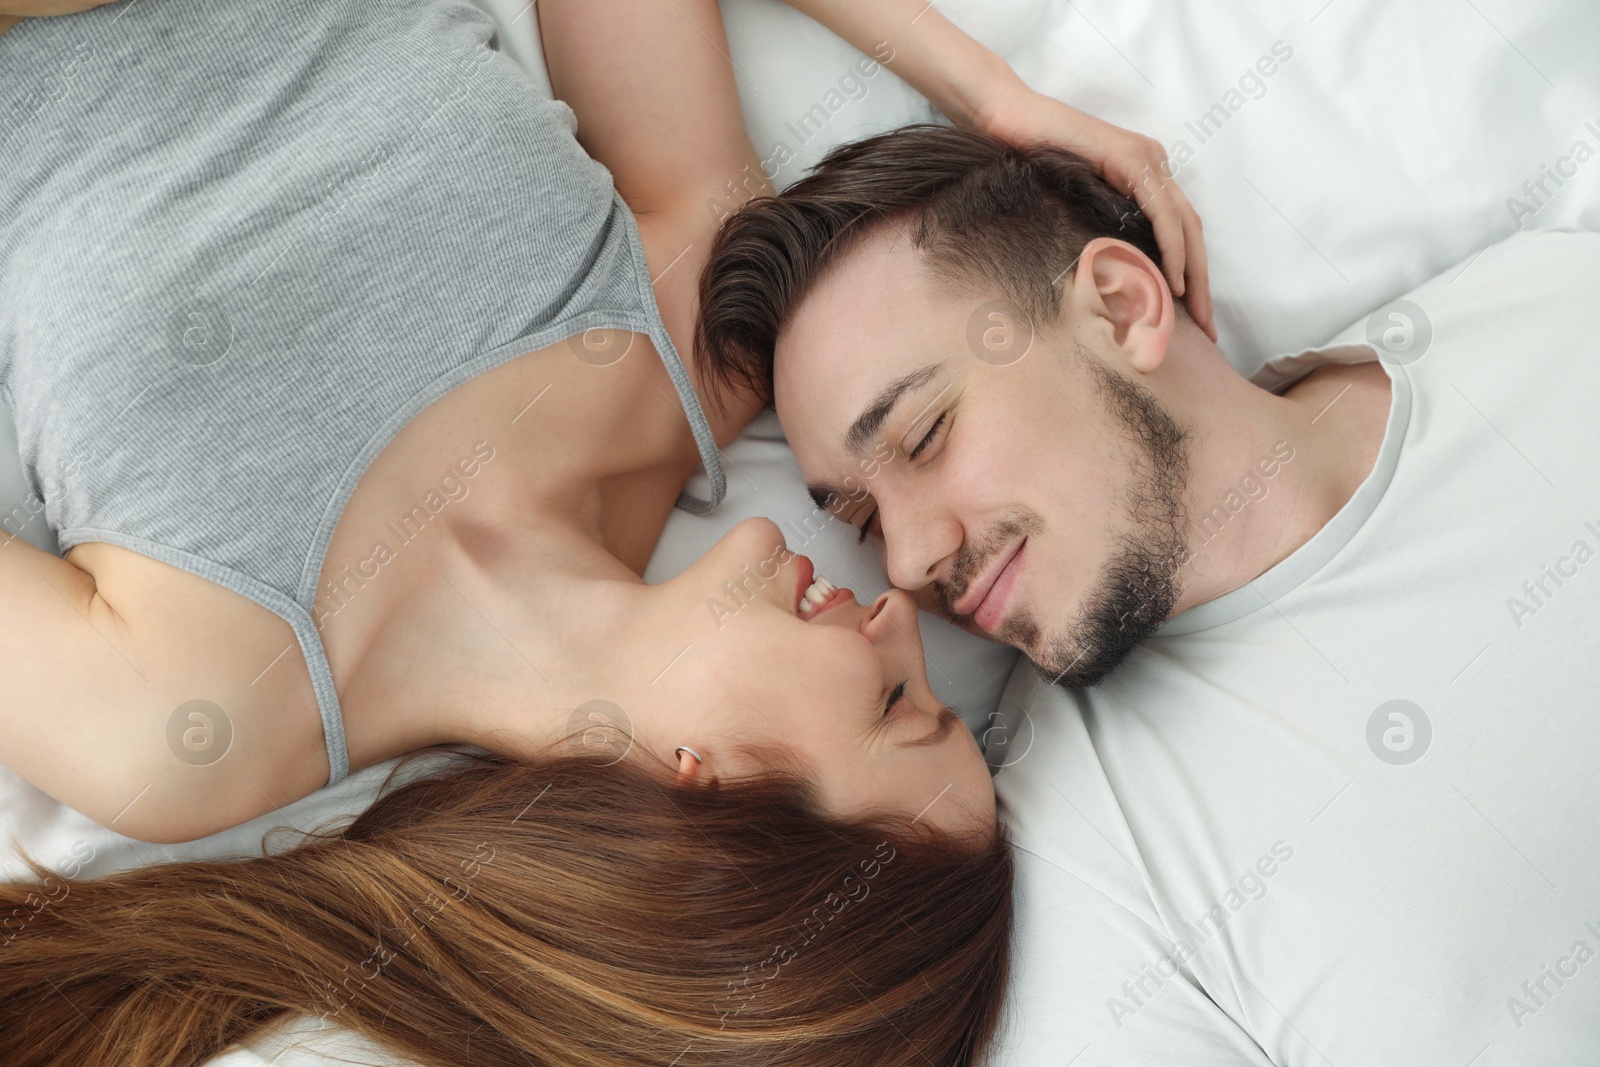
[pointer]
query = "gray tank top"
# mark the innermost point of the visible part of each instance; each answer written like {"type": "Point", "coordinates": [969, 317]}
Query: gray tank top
{"type": "Point", "coordinates": [243, 244]}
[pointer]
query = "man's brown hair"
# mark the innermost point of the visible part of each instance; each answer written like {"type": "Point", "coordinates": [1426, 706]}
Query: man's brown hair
{"type": "Point", "coordinates": [987, 216]}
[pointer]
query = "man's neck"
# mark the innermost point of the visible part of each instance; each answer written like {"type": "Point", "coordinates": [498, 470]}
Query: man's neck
{"type": "Point", "coordinates": [1271, 471]}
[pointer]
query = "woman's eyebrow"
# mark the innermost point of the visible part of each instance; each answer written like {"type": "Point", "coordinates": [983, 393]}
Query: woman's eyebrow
{"type": "Point", "coordinates": [948, 720]}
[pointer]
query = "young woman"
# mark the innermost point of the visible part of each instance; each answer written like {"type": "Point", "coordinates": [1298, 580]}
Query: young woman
{"type": "Point", "coordinates": [348, 383]}
{"type": "Point", "coordinates": [339, 375]}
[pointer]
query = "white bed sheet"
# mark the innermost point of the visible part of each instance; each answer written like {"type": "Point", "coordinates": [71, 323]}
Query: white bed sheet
{"type": "Point", "coordinates": [1390, 144]}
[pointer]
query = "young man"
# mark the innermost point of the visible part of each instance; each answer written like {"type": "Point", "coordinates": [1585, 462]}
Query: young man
{"type": "Point", "coordinates": [1314, 781]}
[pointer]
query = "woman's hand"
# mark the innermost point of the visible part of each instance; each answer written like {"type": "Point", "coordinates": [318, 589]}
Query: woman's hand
{"type": "Point", "coordinates": [1130, 162]}
{"type": "Point", "coordinates": [975, 88]}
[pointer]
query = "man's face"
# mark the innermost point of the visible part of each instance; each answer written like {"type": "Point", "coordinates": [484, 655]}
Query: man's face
{"type": "Point", "coordinates": [1021, 484]}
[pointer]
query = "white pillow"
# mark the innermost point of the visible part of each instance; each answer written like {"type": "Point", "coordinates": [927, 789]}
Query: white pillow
{"type": "Point", "coordinates": [1384, 150]}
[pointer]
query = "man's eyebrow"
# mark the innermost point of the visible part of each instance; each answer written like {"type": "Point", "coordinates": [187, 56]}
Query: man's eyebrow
{"type": "Point", "coordinates": [871, 420]}
{"type": "Point", "coordinates": [948, 720]}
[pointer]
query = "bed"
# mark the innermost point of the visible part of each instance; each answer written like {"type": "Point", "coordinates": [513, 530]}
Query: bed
{"type": "Point", "coordinates": [1339, 151]}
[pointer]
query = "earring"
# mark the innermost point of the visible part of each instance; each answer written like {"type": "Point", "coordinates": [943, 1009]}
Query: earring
{"type": "Point", "coordinates": [692, 752]}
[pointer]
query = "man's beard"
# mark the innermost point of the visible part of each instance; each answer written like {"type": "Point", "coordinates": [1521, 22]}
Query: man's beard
{"type": "Point", "coordinates": [1138, 587]}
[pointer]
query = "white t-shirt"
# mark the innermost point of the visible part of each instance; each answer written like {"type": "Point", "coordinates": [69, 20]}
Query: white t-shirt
{"type": "Point", "coordinates": [1349, 814]}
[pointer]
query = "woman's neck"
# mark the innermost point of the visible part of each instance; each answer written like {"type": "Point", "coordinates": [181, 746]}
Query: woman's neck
{"type": "Point", "coordinates": [492, 639]}
{"type": "Point", "coordinates": [519, 571]}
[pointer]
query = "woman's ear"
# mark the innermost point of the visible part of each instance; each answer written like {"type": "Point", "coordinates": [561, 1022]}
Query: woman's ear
{"type": "Point", "coordinates": [1119, 291]}
{"type": "Point", "coordinates": [689, 766]}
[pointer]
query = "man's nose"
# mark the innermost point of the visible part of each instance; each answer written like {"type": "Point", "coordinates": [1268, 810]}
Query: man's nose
{"type": "Point", "coordinates": [918, 536]}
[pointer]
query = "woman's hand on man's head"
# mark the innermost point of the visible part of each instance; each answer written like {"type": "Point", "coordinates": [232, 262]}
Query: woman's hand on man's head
{"type": "Point", "coordinates": [1133, 164]}
{"type": "Point", "coordinates": [975, 88]}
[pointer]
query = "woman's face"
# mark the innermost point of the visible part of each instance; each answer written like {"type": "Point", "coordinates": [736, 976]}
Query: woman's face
{"type": "Point", "coordinates": [842, 686]}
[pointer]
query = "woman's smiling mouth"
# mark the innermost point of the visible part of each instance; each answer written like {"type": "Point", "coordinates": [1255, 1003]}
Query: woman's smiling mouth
{"type": "Point", "coordinates": [814, 594]}
{"type": "Point", "coordinates": [822, 595]}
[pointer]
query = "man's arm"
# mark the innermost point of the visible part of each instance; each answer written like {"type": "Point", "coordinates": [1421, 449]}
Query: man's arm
{"type": "Point", "coordinates": [653, 89]}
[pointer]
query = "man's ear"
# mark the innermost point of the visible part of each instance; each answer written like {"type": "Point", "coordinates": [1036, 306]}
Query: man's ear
{"type": "Point", "coordinates": [1116, 289]}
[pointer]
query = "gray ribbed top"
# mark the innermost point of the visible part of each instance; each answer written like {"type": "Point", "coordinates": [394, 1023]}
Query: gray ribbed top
{"type": "Point", "coordinates": [242, 245]}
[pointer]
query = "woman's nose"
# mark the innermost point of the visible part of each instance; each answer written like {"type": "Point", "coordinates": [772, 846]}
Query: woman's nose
{"type": "Point", "coordinates": [892, 618]}
{"type": "Point", "coordinates": [760, 538]}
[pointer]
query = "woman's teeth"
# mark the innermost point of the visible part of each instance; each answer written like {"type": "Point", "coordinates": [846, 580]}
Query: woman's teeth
{"type": "Point", "coordinates": [817, 594]}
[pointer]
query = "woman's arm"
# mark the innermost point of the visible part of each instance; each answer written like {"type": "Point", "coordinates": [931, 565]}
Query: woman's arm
{"type": "Point", "coordinates": [976, 89]}
{"type": "Point", "coordinates": [14, 11]}
{"type": "Point", "coordinates": [653, 89]}
{"type": "Point", "coordinates": [107, 662]}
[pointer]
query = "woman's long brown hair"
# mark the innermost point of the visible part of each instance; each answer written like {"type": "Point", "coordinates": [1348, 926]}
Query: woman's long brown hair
{"type": "Point", "coordinates": [551, 912]}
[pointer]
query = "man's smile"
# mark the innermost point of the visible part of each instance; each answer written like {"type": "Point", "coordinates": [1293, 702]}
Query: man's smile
{"type": "Point", "coordinates": [985, 599]}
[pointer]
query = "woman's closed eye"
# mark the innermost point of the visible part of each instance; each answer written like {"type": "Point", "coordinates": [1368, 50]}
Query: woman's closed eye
{"type": "Point", "coordinates": [894, 698]}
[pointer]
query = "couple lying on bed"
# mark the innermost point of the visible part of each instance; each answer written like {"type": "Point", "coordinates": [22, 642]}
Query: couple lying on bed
{"type": "Point", "coordinates": [724, 816]}
{"type": "Point", "coordinates": [270, 271]}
